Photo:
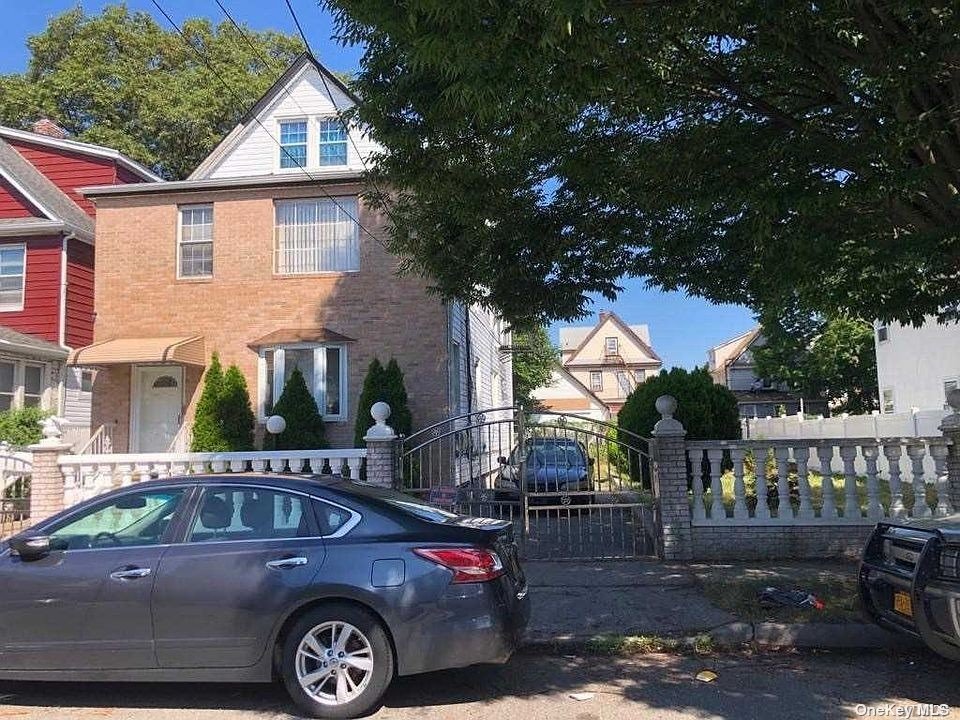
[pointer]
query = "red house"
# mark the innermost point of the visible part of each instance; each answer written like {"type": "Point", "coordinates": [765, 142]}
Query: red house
{"type": "Point", "coordinates": [46, 264]}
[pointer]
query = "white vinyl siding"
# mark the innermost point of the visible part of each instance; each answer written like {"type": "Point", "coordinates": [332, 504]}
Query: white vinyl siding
{"type": "Point", "coordinates": [317, 235]}
{"type": "Point", "coordinates": [13, 272]}
{"type": "Point", "coordinates": [195, 242]}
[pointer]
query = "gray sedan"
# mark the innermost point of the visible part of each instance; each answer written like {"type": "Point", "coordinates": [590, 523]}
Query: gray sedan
{"type": "Point", "coordinates": [331, 586]}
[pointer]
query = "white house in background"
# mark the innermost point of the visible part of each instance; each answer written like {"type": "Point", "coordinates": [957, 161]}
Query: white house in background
{"type": "Point", "coordinates": [566, 394]}
{"type": "Point", "coordinates": [916, 366]}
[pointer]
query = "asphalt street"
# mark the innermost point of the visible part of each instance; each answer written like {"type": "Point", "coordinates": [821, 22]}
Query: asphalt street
{"type": "Point", "coordinates": [533, 686]}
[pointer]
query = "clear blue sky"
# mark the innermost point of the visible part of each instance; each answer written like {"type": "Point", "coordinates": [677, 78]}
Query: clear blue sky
{"type": "Point", "coordinates": [682, 328]}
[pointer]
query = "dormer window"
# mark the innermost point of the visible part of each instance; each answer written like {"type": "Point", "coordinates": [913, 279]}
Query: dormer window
{"type": "Point", "coordinates": [293, 144]}
{"type": "Point", "coordinates": [333, 142]}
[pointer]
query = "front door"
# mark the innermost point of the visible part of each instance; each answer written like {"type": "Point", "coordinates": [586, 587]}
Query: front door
{"type": "Point", "coordinates": [158, 407]}
{"type": "Point", "coordinates": [86, 605]}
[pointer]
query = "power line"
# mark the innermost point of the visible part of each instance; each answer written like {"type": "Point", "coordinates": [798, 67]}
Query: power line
{"type": "Point", "coordinates": [206, 61]}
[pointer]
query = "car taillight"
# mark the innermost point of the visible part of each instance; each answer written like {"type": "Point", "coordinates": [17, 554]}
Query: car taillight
{"type": "Point", "coordinates": [469, 565]}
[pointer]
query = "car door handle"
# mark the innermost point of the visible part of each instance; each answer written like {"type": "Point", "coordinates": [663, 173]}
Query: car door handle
{"type": "Point", "coordinates": [130, 574]}
{"type": "Point", "coordinates": [285, 563]}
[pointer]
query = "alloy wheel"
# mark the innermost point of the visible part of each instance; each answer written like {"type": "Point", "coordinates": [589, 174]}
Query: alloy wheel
{"type": "Point", "coordinates": [334, 663]}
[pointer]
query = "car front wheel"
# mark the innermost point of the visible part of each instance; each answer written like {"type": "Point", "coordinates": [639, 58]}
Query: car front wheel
{"type": "Point", "coordinates": [337, 662]}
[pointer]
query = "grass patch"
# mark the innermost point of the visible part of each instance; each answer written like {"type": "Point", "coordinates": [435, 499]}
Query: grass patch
{"type": "Point", "coordinates": [646, 644]}
{"type": "Point", "coordinates": [735, 587]}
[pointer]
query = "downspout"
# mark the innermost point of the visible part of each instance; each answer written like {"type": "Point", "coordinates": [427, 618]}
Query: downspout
{"type": "Point", "coordinates": [61, 387]}
{"type": "Point", "coordinates": [469, 358]}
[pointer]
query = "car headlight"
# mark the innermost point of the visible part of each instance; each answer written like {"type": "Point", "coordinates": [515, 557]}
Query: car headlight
{"type": "Point", "coordinates": [950, 562]}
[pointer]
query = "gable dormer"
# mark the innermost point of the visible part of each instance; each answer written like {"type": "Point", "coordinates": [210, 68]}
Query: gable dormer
{"type": "Point", "coordinates": [295, 126]}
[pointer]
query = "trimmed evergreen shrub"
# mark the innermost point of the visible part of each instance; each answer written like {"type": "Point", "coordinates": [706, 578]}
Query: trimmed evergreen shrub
{"type": "Point", "coordinates": [296, 405]}
{"type": "Point", "coordinates": [234, 413]}
{"type": "Point", "coordinates": [207, 432]}
{"type": "Point", "coordinates": [383, 384]}
{"type": "Point", "coordinates": [22, 427]}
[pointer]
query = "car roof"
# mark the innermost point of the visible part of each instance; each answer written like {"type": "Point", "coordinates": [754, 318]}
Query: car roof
{"type": "Point", "coordinates": [300, 482]}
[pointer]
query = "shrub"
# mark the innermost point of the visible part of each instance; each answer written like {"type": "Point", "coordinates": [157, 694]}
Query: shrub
{"type": "Point", "coordinates": [207, 433]}
{"type": "Point", "coordinates": [708, 411]}
{"type": "Point", "coordinates": [234, 414]}
{"type": "Point", "coordinates": [22, 427]}
{"type": "Point", "coordinates": [383, 384]}
{"type": "Point", "coordinates": [296, 405]}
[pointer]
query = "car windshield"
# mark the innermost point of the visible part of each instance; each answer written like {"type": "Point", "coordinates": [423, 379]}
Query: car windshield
{"type": "Point", "coordinates": [551, 454]}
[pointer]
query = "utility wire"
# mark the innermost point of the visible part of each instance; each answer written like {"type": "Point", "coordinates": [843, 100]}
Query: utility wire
{"type": "Point", "coordinates": [206, 61]}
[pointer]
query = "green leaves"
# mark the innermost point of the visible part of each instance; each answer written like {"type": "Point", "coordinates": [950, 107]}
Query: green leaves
{"type": "Point", "coordinates": [383, 384]}
{"type": "Point", "coordinates": [223, 420]}
{"type": "Point", "coordinates": [120, 79]}
{"type": "Point", "coordinates": [296, 405]}
{"type": "Point", "coordinates": [743, 150]}
{"type": "Point", "coordinates": [534, 359]}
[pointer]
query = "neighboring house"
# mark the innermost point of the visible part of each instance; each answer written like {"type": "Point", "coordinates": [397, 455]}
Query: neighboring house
{"type": "Point", "coordinates": [601, 363]}
{"type": "Point", "coordinates": [268, 255]}
{"type": "Point", "coordinates": [47, 264]}
{"type": "Point", "coordinates": [917, 366]}
{"type": "Point", "coordinates": [731, 364]}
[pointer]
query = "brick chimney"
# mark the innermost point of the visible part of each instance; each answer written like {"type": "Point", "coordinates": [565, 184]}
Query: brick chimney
{"type": "Point", "coordinates": [45, 126]}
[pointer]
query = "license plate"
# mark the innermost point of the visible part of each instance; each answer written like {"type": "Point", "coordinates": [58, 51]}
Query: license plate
{"type": "Point", "coordinates": [902, 603]}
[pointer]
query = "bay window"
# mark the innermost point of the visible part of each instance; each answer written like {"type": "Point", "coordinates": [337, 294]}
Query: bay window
{"type": "Point", "coordinates": [317, 235]}
{"type": "Point", "coordinates": [323, 368]}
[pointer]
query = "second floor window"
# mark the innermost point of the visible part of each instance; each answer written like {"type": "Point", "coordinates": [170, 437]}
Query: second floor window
{"type": "Point", "coordinates": [883, 333]}
{"type": "Point", "coordinates": [333, 142]}
{"type": "Point", "coordinates": [596, 380]}
{"type": "Point", "coordinates": [293, 144]}
{"type": "Point", "coordinates": [195, 245]}
{"type": "Point", "coordinates": [611, 345]}
{"type": "Point", "coordinates": [317, 236]}
{"type": "Point", "coordinates": [12, 275]}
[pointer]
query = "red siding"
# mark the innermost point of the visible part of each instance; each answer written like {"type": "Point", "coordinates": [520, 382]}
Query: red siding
{"type": "Point", "coordinates": [13, 204]}
{"type": "Point", "coordinates": [40, 315]}
{"type": "Point", "coordinates": [79, 294]}
{"type": "Point", "coordinates": [69, 170]}
{"type": "Point", "coordinates": [125, 176]}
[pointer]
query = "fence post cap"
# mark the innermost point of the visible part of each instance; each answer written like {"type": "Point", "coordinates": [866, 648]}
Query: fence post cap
{"type": "Point", "coordinates": [952, 421]}
{"type": "Point", "coordinates": [380, 411]}
{"type": "Point", "coordinates": [667, 425]}
{"type": "Point", "coordinates": [50, 429]}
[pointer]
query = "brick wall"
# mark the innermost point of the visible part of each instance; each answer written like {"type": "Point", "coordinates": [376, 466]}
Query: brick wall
{"type": "Point", "coordinates": [765, 542]}
{"type": "Point", "coordinates": [139, 295]}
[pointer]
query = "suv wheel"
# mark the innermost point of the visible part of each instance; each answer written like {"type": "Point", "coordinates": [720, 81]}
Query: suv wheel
{"type": "Point", "coordinates": [337, 662]}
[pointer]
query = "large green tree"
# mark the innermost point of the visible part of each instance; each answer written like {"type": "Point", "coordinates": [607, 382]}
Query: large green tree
{"type": "Point", "coordinates": [120, 79]}
{"type": "Point", "coordinates": [534, 359]}
{"type": "Point", "coordinates": [833, 359]}
{"type": "Point", "coordinates": [744, 150]}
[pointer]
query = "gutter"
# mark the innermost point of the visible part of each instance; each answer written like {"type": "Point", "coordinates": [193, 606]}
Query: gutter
{"type": "Point", "coordinates": [44, 227]}
{"type": "Point", "coordinates": [275, 180]}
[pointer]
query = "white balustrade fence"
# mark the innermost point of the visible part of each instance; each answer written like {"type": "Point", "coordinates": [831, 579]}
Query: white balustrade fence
{"type": "Point", "coordinates": [88, 475]}
{"type": "Point", "coordinates": [794, 491]}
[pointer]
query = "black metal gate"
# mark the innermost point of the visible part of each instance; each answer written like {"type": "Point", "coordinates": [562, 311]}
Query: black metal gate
{"type": "Point", "coordinates": [574, 487]}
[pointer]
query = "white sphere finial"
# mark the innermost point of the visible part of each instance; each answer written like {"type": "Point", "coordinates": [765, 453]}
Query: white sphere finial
{"type": "Point", "coordinates": [380, 411]}
{"type": "Point", "coordinates": [276, 424]}
{"type": "Point", "coordinates": [666, 405]}
{"type": "Point", "coordinates": [50, 429]}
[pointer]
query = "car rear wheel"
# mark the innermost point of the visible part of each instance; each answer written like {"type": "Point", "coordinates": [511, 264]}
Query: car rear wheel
{"type": "Point", "coordinates": [337, 662]}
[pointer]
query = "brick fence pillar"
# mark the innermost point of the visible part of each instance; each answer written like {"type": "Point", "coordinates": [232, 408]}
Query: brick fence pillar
{"type": "Point", "coordinates": [46, 480]}
{"type": "Point", "coordinates": [381, 443]}
{"type": "Point", "coordinates": [951, 431]}
{"type": "Point", "coordinates": [670, 483]}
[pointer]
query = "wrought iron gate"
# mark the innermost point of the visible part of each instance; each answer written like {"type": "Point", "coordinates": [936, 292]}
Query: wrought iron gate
{"type": "Point", "coordinates": [15, 469]}
{"type": "Point", "coordinates": [574, 487]}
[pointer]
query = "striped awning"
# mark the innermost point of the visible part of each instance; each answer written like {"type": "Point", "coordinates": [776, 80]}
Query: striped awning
{"type": "Point", "coordinates": [187, 350]}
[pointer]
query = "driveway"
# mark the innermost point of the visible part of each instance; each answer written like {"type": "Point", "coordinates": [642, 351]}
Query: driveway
{"type": "Point", "coordinates": [531, 687]}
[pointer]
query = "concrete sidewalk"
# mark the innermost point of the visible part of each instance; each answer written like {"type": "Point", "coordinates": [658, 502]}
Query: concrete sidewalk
{"type": "Point", "coordinates": [573, 602]}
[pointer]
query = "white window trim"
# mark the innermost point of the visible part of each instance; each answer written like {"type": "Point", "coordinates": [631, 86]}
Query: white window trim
{"type": "Point", "coordinates": [893, 401]}
{"type": "Point", "coordinates": [600, 385]}
{"type": "Point", "coordinates": [339, 200]}
{"type": "Point", "coordinates": [17, 307]}
{"type": "Point", "coordinates": [19, 386]}
{"type": "Point", "coordinates": [319, 380]}
{"type": "Point", "coordinates": [180, 209]}
{"type": "Point", "coordinates": [887, 338]}
{"type": "Point", "coordinates": [317, 121]}
{"type": "Point", "coordinates": [278, 152]}
{"type": "Point", "coordinates": [606, 345]}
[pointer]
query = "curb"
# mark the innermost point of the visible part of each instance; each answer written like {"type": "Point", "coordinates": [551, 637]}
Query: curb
{"type": "Point", "coordinates": [734, 635]}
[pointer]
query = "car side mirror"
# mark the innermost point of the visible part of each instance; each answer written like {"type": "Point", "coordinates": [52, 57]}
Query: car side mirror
{"type": "Point", "coordinates": [502, 460]}
{"type": "Point", "coordinates": [31, 547]}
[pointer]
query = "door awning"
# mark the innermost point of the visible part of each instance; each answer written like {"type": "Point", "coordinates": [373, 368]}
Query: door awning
{"type": "Point", "coordinates": [184, 350]}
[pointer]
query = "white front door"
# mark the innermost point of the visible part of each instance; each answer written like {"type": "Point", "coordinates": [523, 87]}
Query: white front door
{"type": "Point", "coordinates": [158, 404]}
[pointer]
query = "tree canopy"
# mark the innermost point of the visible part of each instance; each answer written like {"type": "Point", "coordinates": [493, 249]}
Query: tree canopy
{"type": "Point", "coordinates": [120, 79]}
{"type": "Point", "coordinates": [534, 359]}
{"type": "Point", "coordinates": [743, 150]}
{"type": "Point", "coordinates": [833, 359]}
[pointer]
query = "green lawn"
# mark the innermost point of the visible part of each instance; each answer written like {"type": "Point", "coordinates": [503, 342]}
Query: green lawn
{"type": "Point", "coordinates": [816, 492]}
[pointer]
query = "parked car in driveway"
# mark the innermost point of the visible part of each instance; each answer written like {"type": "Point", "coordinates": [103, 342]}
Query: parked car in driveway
{"type": "Point", "coordinates": [910, 581]}
{"type": "Point", "coordinates": [555, 470]}
{"type": "Point", "coordinates": [331, 586]}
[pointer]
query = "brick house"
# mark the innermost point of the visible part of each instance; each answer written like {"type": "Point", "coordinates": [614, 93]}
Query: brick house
{"type": "Point", "coordinates": [47, 264]}
{"type": "Point", "coordinates": [268, 255]}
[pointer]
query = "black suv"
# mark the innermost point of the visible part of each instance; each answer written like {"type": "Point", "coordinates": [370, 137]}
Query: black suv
{"type": "Point", "coordinates": [910, 580]}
